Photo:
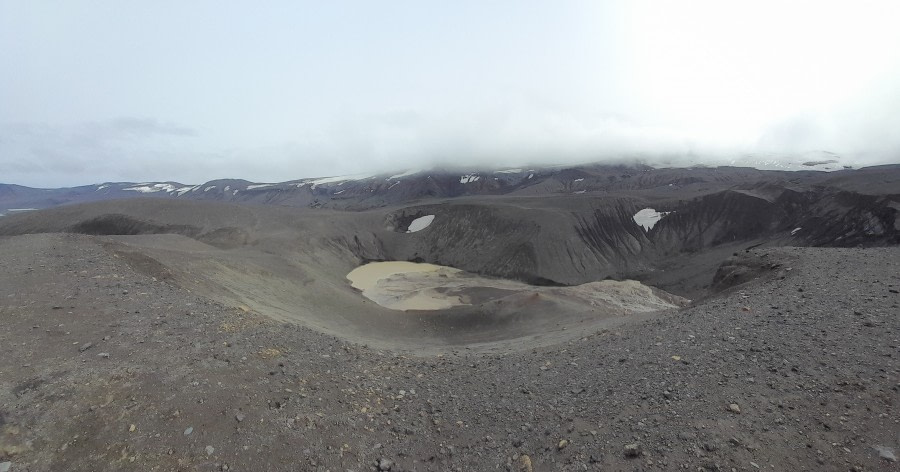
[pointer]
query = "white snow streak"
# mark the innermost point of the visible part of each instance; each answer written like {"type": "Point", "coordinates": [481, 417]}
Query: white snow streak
{"type": "Point", "coordinates": [421, 223]}
{"type": "Point", "coordinates": [405, 174]}
{"type": "Point", "coordinates": [152, 188]}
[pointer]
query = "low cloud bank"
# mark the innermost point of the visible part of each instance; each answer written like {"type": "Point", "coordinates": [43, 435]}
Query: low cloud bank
{"type": "Point", "coordinates": [138, 149]}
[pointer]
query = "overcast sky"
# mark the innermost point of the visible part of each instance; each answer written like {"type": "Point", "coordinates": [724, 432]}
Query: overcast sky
{"type": "Point", "coordinates": [94, 91]}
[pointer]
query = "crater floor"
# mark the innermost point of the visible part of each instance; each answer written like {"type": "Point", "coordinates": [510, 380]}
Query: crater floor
{"type": "Point", "coordinates": [418, 286]}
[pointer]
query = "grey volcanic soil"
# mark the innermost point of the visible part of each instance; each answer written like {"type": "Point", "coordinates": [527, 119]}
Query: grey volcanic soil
{"type": "Point", "coordinates": [809, 356]}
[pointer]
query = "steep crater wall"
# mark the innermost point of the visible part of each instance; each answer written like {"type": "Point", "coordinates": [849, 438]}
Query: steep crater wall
{"type": "Point", "coordinates": [565, 245]}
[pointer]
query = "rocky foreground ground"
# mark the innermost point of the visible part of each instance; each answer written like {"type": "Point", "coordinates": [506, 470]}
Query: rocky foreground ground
{"type": "Point", "coordinates": [104, 368]}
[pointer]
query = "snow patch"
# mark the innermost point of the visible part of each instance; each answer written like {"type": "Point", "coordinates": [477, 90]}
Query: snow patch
{"type": "Point", "coordinates": [102, 187]}
{"type": "Point", "coordinates": [648, 217]}
{"type": "Point", "coordinates": [405, 174]}
{"type": "Point", "coordinates": [251, 187]}
{"type": "Point", "coordinates": [152, 188]}
{"type": "Point", "coordinates": [327, 180]}
{"type": "Point", "coordinates": [579, 191]}
{"type": "Point", "coordinates": [468, 178]}
{"type": "Point", "coordinates": [332, 180]}
{"type": "Point", "coordinates": [393, 185]}
{"type": "Point", "coordinates": [420, 223]}
{"type": "Point", "coordinates": [143, 189]}
{"type": "Point", "coordinates": [530, 175]}
{"type": "Point", "coordinates": [579, 180]}
{"type": "Point", "coordinates": [509, 171]}
{"type": "Point", "coordinates": [207, 189]}
{"type": "Point", "coordinates": [795, 231]}
{"type": "Point", "coordinates": [813, 160]}
{"type": "Point", "coordinates": [184, 190]}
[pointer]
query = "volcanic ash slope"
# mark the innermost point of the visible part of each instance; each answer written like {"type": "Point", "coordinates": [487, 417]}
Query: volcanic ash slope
{"type": "Point", "coordinates": [107, 369]}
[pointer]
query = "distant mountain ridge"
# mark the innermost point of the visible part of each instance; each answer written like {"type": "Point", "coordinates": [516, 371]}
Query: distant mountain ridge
{"type": "Point", "coordinates": [360, 192]}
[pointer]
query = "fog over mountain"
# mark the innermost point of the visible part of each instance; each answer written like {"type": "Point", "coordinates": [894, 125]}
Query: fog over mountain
{"type": "Point", "coordinates": [194, 92]}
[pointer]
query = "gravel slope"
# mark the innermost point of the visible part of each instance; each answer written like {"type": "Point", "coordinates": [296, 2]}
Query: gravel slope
{"type": "Point", "coordinates": [105, 368]}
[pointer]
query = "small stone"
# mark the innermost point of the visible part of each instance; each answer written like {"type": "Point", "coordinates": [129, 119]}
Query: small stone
{"type": "Point", "coordinates": [562, 444]}
{"type": "Point", "coordinates": [384, 464]}
{"type": "Point", "coordinates": [85, 347]}
{"type": "Point", "coordinates": [210, 450]}
{"type": "Point", "coordinates": [523, 464]}
{"type": "Point", "coordinates": [104, 355]}
{"type": "Point", "coordinates": [885, 453]}
{"type": "Point", "coordinates": [189, 430]}
{"type": "Point", "coordinates": [239, 417]}
{"type": "Point", "coordinates": [132, 428]}
{"type": "Point", "coordinates": [709, 465]}
{"type": "Point", "coordinates": [5, 466]}
{"type": "Point", "coordinates": [632, 450]}
{"type": "Point", "coordinates": [517, 442]}
{"type": "Point", "coordinates": [734, 408]}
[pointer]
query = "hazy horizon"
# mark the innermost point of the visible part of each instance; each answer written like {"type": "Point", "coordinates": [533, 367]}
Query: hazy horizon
{"type": "Point", "coordinates": [659, 162]}
{"type": "Point", "coordinates": [167, 91]}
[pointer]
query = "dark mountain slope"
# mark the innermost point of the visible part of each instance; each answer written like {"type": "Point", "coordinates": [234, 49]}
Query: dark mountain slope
{"type": "Point", "coordinates": [366, 192]}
